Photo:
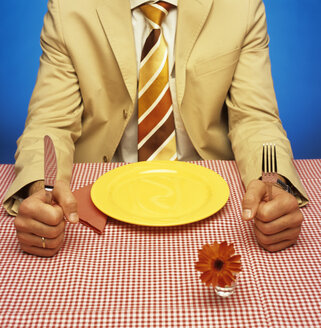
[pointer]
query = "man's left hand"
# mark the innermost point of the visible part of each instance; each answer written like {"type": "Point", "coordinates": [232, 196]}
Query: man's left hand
{"type": "Point", "coordinates": [277, 222]}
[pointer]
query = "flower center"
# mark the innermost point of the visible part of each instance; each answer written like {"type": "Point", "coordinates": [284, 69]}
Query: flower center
{"type": "Point", "coordinates": [218, 264]}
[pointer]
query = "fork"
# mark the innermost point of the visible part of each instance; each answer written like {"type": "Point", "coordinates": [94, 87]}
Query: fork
{"type": "Point", "coordinates": [269, 167]}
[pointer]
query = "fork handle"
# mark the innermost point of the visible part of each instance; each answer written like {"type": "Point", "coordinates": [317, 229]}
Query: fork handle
{"type": "Point", "coordinates": [269, 190]}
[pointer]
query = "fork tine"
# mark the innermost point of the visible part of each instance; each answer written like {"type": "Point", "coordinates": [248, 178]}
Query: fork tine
{"type": "Point", "coordinates": [270, 159]}
{"type": "Point", "coordinates": [267, 161]}
{"type": "Point", "coordinates": [263, 159]}
{"type": "Point", "coordinates": [267, 157]}
{"type": "Point", "coordinates": [275, 160]}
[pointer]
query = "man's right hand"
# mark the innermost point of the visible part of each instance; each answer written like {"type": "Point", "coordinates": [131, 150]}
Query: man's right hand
{"type": "Point", "coordinates": [39, 224]}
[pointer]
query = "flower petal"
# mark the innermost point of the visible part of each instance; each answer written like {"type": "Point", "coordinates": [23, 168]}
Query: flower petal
{"type": "Point", "coordinates": [202, 267]}
{"type": "Point", "coordinates": [207, 277]}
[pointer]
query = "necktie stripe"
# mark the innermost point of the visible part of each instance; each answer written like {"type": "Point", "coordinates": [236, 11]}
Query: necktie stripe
{"type": "Point", "coordinates": [155, 5]}
{"type": "Point", "coordinates": [150, 47]}
{"type": "Point", "coordinates": [161, 100]}
{"type": "Point", "coordinates": [154, 13]}
{"type": "Point", "coordinates": [165, 5]}
{"type": "Point", "coordinates": [150, 99]}
{"type": "Point", "coordinates": [147, 81]}
{"type": "Point", "coordinates": [147, 99]}
{"type": "Point", "coordinates": [164, 152]}
{"type": "Point", "coordinates": [155, 54]}
{"type": "Point", "coordinates": [153, 24]}
{"type": "Point", "coordinates": [156, 128]}
{"type": "Point", "coordinates": [155, 116]}
{"type": "Point", "coordinates": [156, 140]}
{"type": "Point", "coordinates": [160, 153]}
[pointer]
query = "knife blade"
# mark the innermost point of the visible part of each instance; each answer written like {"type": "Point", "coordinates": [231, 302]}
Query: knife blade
{"type": "Point", "coordinates": [50, 167]}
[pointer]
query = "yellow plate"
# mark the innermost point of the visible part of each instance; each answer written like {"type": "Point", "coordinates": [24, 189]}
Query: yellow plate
{"type": "Point", "coordinates": [160, 193]}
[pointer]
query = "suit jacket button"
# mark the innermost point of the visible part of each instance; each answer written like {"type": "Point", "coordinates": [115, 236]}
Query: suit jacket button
{"type": "Point", "coordinates": [105, 159]}
{"type": "Point", "coordinates": [125, 114]}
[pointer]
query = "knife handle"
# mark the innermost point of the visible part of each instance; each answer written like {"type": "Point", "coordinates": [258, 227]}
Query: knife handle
{"type": "Point", "coordinates": [48, 190]}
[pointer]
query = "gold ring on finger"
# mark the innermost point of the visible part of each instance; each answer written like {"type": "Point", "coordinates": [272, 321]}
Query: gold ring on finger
{"type": "Point", "coordinates": [43, 242]}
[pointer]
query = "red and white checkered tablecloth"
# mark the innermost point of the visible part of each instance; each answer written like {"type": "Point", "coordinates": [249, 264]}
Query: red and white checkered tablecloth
{"type": "Point", "coordinates": [134, 276]}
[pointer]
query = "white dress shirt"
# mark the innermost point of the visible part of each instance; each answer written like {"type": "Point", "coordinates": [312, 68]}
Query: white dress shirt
{"type": "Point", "coordinates": [127, 149]}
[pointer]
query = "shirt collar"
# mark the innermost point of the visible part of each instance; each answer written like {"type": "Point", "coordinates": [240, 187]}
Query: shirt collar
{"type": "Point", "coordinates": [137, 3]}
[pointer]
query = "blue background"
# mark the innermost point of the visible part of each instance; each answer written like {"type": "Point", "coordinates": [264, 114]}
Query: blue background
{"type": "Point", "coordinates": [295, 30]}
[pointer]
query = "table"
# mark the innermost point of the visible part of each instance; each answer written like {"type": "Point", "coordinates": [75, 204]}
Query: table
{"type": "Point", "coordinates": [133, 276]}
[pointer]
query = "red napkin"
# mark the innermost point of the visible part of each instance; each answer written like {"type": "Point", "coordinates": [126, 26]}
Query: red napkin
{"type": "Point", "coordinates": [89, 214]}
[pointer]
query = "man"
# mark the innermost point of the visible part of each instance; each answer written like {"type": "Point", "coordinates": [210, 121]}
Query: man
{"type": "Point", "coordinates": [86, 95]}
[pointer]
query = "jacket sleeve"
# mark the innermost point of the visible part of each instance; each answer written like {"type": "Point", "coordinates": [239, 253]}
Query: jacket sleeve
{"type": "Point", "coordinates": [55, 109]}
{"type": "Point", "coordinates": [252, 107]}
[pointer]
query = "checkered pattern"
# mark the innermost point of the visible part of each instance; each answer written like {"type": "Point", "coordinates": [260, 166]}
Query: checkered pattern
{"type": "Point", "coordinates": [133, 276]}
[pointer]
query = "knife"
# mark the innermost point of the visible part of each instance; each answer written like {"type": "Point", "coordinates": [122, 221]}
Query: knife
{"type": "Point", "coordinates": [50, 167]}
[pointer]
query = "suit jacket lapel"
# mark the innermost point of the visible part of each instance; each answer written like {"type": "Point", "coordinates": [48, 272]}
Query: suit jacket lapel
{"type": "Point", "coordinates": [191, 18]}
{"type": "Point", "coordinates": [115, 17]}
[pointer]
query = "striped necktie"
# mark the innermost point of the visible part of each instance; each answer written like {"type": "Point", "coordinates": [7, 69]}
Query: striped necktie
{"type": "Point", "coordinates": [156, 128]}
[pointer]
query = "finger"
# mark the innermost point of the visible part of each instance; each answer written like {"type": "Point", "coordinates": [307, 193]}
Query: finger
{"type": "Point", "coordinates": [64, 197]}
{"type": "Point", "coordinates": [282, 204]}
{"type": "Point", "coordinates": [279, 246]}
{"type": "Point", "coordinates": [292, 220]}
{"type": "Point", "coordinates": [37, 241]}
{"type": "Point", "coordinates": [38, 228]}
{"type": "Point", "coordinates": [288, 234]}
{"type": "Point", "coordinates": [35, 207]}
{"type": "Point", "coordinates": [43, 252]}
{"type": "Point", "coordinates": [254, 194]}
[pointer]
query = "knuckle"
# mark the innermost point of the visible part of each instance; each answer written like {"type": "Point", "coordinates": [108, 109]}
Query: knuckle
{"type": "Point", "coordinates": [23, 247]}
{"type": "Point", "coordinates": [50, 252]}
{"type": "Point", "coordinates": [297, 232]}
{"type": "Point", "coordinates": [293, 202]}
{"type": "Point", "coordinates": [57, 242]}
{"type": "Point", "coordinates": [290, 202]}
{"type": "Point", "coordinates": [26, 207]}
{"type": "Point", "coordinates": [261, 237]}
{"type": "Point", "coordinates": [263, 227]}
{"type": "Point", "coordinates": [26, 249]}
{"type": "Point", "coordinates": [54, 244]}
{"type": "Point", "coordinates": [263, 214]}
{"type": "Point", "coordinates": [300, 218]}
{"type": "Point", "coordinates": [265, 240]}
{"type": "Point", "coordinates": [294, 242]}
{"type": "Point", "coordinates": [21, 237]}
{"type": "Point", "coordinates": [56, 218]}
{"type": "Point", "coordinates": [270, 248]}
{"type": "Point", "coordinates": [18, 223]}
{"type": "Point", "coordinates": [291, 242]}
{"type": "Point", "coordinates": [267, 229]}
{"type": "Point", "coordinates": [53, 232]}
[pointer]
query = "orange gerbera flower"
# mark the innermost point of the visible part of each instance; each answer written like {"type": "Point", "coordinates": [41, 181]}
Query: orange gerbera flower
{"type": "Point", "coordinates": [218, 264]}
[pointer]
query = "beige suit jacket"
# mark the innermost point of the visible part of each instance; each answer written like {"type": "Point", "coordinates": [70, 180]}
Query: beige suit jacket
{"type": "Point", "coordinates": [87, 86]}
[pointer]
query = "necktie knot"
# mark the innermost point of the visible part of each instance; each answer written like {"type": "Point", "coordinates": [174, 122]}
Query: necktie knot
{"type": "Point", "coordinates": [156, 12]}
